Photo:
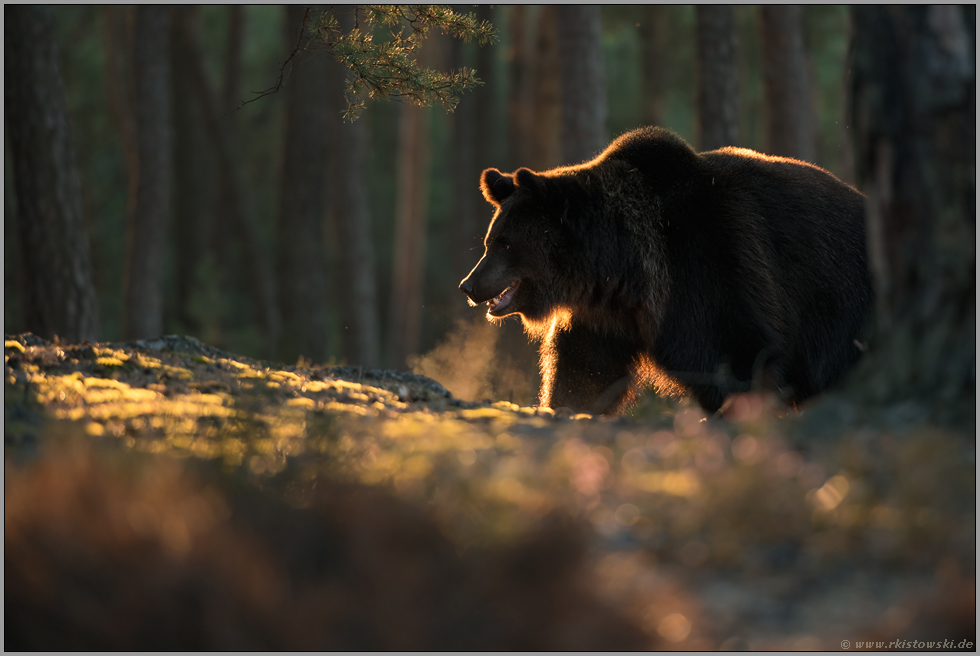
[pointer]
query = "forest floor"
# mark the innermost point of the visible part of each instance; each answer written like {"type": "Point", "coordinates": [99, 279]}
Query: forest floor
{"type": "Point", "coordinates": [341, 507]}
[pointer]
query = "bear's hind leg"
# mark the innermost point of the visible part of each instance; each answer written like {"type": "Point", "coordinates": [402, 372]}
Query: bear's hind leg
{"type": "Point", "coordinates": [587, 371]}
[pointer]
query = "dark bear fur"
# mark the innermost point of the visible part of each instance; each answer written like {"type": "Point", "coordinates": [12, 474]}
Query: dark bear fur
{"type": "Point", "coordinates": [707, 274]}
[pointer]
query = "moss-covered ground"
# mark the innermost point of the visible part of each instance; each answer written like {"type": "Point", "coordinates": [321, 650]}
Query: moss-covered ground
{"type": "Point", "coordinates": [693, 532]}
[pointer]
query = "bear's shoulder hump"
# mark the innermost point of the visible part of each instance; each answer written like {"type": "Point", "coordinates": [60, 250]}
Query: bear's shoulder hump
{"type": "Point", "coordinates": [654, 150]}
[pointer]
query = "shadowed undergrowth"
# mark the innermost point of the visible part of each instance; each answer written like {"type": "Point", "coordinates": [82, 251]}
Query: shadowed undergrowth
{"type": "Point", "coordinates": [344, 508]}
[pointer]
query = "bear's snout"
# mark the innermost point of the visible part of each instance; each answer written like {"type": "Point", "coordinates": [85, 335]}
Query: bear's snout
{"type": "Point", "coordinates": [466, 286]}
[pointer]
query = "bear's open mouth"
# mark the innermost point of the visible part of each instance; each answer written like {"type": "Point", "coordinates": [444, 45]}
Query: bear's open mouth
{"type": "Point", "coordinates": [502, 300]}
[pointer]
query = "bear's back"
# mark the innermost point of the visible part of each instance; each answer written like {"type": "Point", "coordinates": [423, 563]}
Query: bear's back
{"type": "Point", "coordinates": [759, 248]}
{"type": "Point", "coordinates": [780, 180]}
{"type": "Point", "coordinates": [733, 189]}
{"type": "Point", "coordinates": [667, 159]}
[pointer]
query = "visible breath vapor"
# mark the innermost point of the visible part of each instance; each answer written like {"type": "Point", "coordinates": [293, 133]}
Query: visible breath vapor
{"type": "Point", "coordinates": [475, 364]}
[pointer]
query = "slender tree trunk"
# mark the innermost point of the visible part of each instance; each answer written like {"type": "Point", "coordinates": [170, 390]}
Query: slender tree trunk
{"type": "Point", "coordinates": [790, 128]}
{"type": "Point", "coordinates": [488, 144]}
{"type": "Point", "coordinates": [302, 205]}
{"type": "Point", "coordinates": [653, 35]}
{"type": "Point", "coordinates": [547, 152]}
{"type": "Point", "coordinates": [405, 316]}
{"type": "Point", "coordinates": [465, 170]}
{"type": "Point", "coordinates": [193, 177]}
{"type": "Point", "coordinates": [229, 100]}
{"type": "Point", "coordinates": [59, 297]}
{"type": "Point", "coordinates": [521, 89]}
{"type": "Point", "coordinates": [14, 295]}
{"type": "Point", "coordinates": [717, 77]}
{"type": "Point", "coordinates": [844, 129]}
{"type": "Point", "coordinates": [914, 113]}
{"type": "Point", "coordinates": [473, 149]}
{"type": "Point", "coordinates": [261, 278]}
{"type": "Point", "coordinates": [224, 208]}
{"type": "Point", "coordinates": [350, 211]}
{"type": "Point", "coordinates": [231, 90]}
{"type": "Point", "coordinates": [117, 26]}
{"type": "Point", "coordinates": [146, 234]}
{"type": "Point", "coordinates": [583, 83]}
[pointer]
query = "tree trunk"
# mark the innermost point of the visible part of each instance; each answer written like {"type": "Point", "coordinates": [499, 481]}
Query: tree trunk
{"type": "Point", "coordinates": [653, 36]}
{"type": "Point", "coordinates": [146, 233]}
{"type": "Point", "coordinates": [302, 205]}
{"type": "Point", "coordinates": [261, 280]}
{"type": "Point", "coordinates": [223, 262]}
{"type": "Point", "coordinates": [489, 146]}
{"type": "Point", "coordinates": [790, 127]}
{"type": "Point", "coordinates": [231, 89]}
{"type": "Point", "coordinates": [193, 178]}
{"type": "Point", "coordinates": [583, 83]}
{"type": "Point", "coordinates": [521, 89]}
{"type": "Point", "coordinates": [717, 77]}
{"type": "Point", "coordinates": [914, 113]}
{"type": "Point", "coordinates": [350, 211]}
{"type": "Point", "coordinates": [14, 287]}
{"type": "Point", "coordinates": [845, 133]}
{"type": "Point", "coordinates": [59, 297]}
{"type": "Point", "coordinates": [405, 316]}
{"type": "Point", "coordinates": [117, 26]}
{"type": "Point", "coordinates": [465, 171]}
{"type": "Point", "coordinates": [547, 152]}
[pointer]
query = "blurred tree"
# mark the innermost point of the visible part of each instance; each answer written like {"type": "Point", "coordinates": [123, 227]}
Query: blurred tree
{"type": "Point", "coordinates": [117, 32]}
{"type": "Point", "coordinates": [261, 280]}
{"type": "Point", "coordinates": [717, 77]}
{"type": "Point", "coordinates": [914, 113]}
{"type": "Point", "coordinates": [474, 147]}
{"type": "Point", "coordinates": [193, 177]}
{"type": "Point", "coordinates": [13, 259]}
{"type": "Point", "coordinates": [465, 198]}
{"type": "Point", "coordinates": [790, 126]}
{"type": "Point", "coordinates": [411, 213]}
{"type": "Point", "coordinates": [58, 296]}
{"type": "Point", "coordinates": [547, 121]}
{"type": "Point", "coordinates": [147, 227]}
{"type": "Point", "coordinates": [520, 104]}
{"type": "Point", "coordinates": [117, 44]}
{"type": "Point", "coordinates": [583, 83]}
{"type": "Point", "coordinates": [348, 209]}
{"type": "Point", "coordinates": [302, 203]}
{"type": "Point", "coordinates": [231, 89]}
{"type": "Point", "coordinates": [489, 145]}
{"type": "Point", "coordinates": [225, 209]}
{"type": "Point", "coordinates": [653, 39]}
{"type": "Point", "coordinates": [826, 35]}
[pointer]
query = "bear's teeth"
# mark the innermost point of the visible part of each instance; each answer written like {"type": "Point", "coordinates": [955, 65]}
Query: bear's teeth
{"type": "Point", "coordinates": [497, 300]}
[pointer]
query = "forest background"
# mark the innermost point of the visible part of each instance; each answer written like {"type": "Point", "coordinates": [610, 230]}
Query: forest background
{"type": "Point", "coordinates": [138, 201]}
{"type": "Point", "coordinates": [290, 232]}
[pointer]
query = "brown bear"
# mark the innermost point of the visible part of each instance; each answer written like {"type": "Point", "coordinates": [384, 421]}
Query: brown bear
{"type": "Point", "coordinates": [699, 273]}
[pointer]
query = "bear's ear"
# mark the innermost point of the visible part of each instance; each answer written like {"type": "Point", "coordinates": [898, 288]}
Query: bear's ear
{"type": "Point", "coordinates": [530, 181]}
{"type": "Point", "coordinates": [496, 186]}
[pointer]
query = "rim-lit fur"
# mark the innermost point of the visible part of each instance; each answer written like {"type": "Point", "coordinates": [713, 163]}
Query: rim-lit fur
{"type": "Point", "coordinates": [719, 271]}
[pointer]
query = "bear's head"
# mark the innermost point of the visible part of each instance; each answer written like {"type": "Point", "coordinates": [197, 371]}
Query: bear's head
{"type": "Point", "coordinates": [528, 246]}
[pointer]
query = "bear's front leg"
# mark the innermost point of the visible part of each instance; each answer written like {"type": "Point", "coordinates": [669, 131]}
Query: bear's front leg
{"type": "Point", "coordinates": [586, 371]}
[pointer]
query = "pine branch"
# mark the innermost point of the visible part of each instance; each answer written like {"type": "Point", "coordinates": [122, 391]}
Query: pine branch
{"type": "Point", "coordinates": [387, 69]}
